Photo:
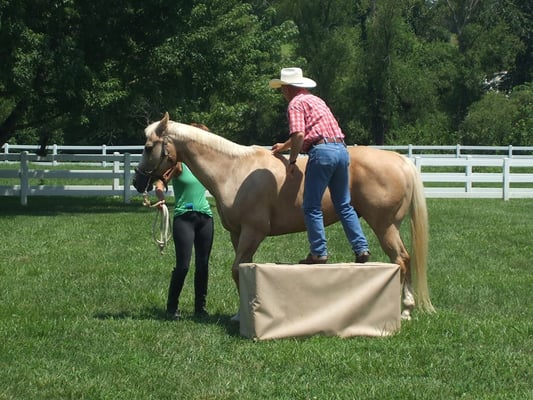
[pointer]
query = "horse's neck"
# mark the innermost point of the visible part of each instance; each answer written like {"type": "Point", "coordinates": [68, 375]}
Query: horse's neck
{"type": "Point", "coordinates": [208, 166]}
{"type": "Point", "coordinates": [213, 160]}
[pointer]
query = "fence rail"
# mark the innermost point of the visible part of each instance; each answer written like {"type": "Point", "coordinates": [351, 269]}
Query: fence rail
{"type": "Point", "coordinates": [410, 150]}
{"type": "Point", "coordinates": [490, 175]}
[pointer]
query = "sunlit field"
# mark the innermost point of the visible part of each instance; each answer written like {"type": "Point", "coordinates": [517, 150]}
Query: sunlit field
{"type": "Point", "coordinates": [83, 289]}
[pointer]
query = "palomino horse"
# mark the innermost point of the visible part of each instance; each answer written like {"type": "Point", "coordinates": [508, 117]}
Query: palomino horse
{"type": "Point", "coordinates": [256, 198]}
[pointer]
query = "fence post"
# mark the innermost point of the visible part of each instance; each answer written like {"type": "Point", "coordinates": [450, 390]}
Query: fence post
{"type": "Point", "coordinates": [457, 150]}
{"type": "Point", "coordinates": [409, 150]}
{"type": "Point", "coordinates": [6, 151]}
{"type": "Point", "coordinates": [127, 177]}
{"type": "Point", "coordinates": [104, 152]}
{"type": "Point", "coordinates": [506, 186]}
{"type": "Point", "coordinates": [468, 173]}
{"type": "Point", "coordinates": [116, 170]}
{"type": "Point", "coordinates": [24, 180]}
{"type": "Point", "coordinates": [510, 151]}
{"type": "Point", "coordinates": [54, 154]}
{"type": "Point", "coordinates": [418, 163]}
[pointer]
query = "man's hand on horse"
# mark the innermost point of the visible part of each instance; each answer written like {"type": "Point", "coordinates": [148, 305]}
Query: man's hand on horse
{"type": "Point", "coordinates": [278, 148]}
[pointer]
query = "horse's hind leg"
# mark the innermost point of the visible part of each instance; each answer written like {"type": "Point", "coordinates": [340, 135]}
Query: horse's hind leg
{"type": "Point", "coordinates": [393, 246]}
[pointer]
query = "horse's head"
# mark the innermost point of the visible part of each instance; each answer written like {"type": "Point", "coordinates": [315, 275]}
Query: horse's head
{"type": "Point", "coordinates": [157, 158]}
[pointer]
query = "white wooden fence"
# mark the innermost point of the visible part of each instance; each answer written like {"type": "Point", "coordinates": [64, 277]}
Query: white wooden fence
{"type": "Point", "coordinates": [115, 180]}
{"type": "Point", "coordinates": [497, 172]}
{"type": "Point", "coordinates": [481, 177]}
{"type": "Point", "coordinates": [410, 150]}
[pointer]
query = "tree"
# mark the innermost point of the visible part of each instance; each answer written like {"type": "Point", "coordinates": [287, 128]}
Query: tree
{"type": "Point", "coordinates": [403, 71]}
{"type": "Point", "coordinates": [487, 42]}
{"type": "Point", "coordinates": [500, 118]}
{"type": "Point", "coordinates": [328, 50]}
{"type": "Point", "coordinates": [220, 69]}
{"type": "Point", "coordinates": [84, 72]}
{"type": "Point", "coordinates": [99, 71]}
{"type": "Point", "coordinates": [67, 69]}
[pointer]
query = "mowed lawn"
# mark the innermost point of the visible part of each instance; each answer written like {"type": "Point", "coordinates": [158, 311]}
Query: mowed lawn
{"type": "Point", "coordinates": [83, 288]}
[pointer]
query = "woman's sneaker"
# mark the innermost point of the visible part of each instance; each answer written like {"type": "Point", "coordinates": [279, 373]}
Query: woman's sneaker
{"type": "Point", "coordinates": [174, 316]}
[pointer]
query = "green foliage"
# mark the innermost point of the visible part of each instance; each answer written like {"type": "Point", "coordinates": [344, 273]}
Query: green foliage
{"type": "Point", "coordinates": [93, 72]}
{"type": "Point", "coordinates": [500, 118]}
{"type": "Point", "coordinates": [222, 80]}
{"type": "Point", "coordinates": [522, 126]}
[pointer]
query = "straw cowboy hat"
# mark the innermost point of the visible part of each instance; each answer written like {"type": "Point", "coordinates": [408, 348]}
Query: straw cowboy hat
{"type": "Point", "coordinates": [293, 77]}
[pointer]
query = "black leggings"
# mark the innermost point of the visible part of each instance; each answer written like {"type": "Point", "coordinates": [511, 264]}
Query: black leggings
{"type": "Point", "coordinates": [191, 229]}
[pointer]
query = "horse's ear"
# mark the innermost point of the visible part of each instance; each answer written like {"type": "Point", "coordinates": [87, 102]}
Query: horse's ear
{"type": "Point", "coordinates": [162, 126]}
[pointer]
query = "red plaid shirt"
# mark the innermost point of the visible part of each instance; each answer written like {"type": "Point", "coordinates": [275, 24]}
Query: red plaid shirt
{"type": "Point", "coordinates": [309, 114]}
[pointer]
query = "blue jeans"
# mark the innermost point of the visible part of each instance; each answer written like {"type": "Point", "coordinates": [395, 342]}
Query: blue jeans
{"type": "Point", "coordinates": [328, 167]}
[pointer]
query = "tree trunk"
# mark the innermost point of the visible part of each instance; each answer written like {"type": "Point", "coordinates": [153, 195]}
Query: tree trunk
{"type": "Point", "coordinates": [11, 123]}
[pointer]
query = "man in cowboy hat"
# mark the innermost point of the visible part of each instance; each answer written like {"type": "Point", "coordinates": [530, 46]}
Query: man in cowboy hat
{"type": "Point", "coordinates": [314, 130]}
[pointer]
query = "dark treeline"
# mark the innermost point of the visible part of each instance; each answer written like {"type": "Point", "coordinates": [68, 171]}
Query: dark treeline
{"type": "Point", "coordinates": [393, 71]}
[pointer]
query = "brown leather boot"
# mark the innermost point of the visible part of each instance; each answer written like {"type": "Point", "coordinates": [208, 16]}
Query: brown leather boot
{"type": "Point", "coordinates": [312, 259]}
{"type": "Point", "coordinates": [362, 257]}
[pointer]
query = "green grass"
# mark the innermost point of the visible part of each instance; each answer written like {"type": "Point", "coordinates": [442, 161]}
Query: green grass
{"type": "Point", "coordinates": [82, 293]}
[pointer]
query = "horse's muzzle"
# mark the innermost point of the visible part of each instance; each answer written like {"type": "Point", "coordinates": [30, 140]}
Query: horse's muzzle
{"type": "Point", "coordinates": [142, 182]}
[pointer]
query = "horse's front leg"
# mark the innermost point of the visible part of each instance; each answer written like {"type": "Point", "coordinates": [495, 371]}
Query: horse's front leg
{"type": "Point", "coordinates": [235, 242]}
{"type": "Point", "coordinates": [245, 244]}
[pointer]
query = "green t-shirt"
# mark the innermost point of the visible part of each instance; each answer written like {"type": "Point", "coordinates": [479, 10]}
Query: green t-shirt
{"type": "Point", "coordinates": [189, 194]}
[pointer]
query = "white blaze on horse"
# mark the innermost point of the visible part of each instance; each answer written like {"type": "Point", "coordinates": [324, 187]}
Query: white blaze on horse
{"type": "Point", "coordinates": [256, 198]}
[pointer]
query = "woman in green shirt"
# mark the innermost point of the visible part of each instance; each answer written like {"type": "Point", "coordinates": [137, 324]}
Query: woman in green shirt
{"type": "Point", "coordinates": [192, 227]}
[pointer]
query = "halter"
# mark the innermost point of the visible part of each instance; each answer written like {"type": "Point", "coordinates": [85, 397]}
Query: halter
{"type": "Point", "coordinates": [150, 174]}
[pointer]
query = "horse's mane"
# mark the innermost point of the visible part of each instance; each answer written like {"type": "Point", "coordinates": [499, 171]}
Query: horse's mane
{"type": "Point", "coordinates": [190, 133]}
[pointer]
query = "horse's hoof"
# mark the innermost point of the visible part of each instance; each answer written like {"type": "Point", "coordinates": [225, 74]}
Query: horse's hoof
{"type": "Point", "coordinates": [406, 315]}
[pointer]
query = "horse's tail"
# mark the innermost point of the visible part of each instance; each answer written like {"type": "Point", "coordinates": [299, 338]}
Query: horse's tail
{"type": "Point", "coordinates": [419, 240]}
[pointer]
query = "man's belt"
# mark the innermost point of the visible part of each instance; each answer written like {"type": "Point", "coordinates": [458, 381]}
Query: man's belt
{"type": "Point", "coordinates": [328, 140]}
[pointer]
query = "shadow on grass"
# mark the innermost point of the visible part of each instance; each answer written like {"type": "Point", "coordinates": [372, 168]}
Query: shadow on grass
{"type": "Point", "coordinates": [54, 205]}
{"type": "Point", "coordinates": [158, 314]}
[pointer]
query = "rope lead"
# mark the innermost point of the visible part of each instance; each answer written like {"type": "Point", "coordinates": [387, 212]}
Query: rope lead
{"type": "Point", "coordinates": [161, 222]}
